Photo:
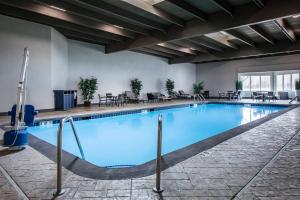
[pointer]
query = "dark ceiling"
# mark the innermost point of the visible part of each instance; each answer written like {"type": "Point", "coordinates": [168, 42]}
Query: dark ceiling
{"type": "Point", "coordinates": [190, 31]}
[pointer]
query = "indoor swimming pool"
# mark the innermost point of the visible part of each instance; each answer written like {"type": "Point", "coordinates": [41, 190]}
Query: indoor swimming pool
{"type": "Point", "coordinates": [130, 139]}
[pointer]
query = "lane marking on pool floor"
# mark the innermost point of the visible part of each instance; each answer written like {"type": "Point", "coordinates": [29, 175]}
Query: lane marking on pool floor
{"type": "Point", "coordinates": [13, 184]}
{"type": "Point", "coordinates": [237, 195]}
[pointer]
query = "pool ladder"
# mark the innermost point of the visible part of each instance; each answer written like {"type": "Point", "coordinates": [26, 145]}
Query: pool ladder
{"type": "Point", "coordinates": [201, 97]}
{"type": "Point", "coordinates": [293, 99]}
{"type": "Point", "coordinates": [59, 190]}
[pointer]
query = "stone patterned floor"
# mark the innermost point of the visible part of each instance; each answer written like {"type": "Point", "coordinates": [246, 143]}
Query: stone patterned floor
{"type": "Point", "coordinates": [6, 189]}
{"type": "Point", "coordinates": [218, 173]}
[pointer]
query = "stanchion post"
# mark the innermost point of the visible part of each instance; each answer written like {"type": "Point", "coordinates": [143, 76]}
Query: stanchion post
{"type": "Point", "coordinates": [157, 187]}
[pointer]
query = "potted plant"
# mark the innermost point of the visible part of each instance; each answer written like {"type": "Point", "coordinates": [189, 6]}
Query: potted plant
{"type": "Point", "coordinates": [88, 87]}
{"type": "Point", "coordinates": [136, 86]}
{"type": "Point", "coordinates": [238, 85]}
{"type": "Point", "coordinates": [198, 87]}
{"type": "Point", "coordinates": [297, 86]}
{"type": "Point", "coordinates": [170, 85]}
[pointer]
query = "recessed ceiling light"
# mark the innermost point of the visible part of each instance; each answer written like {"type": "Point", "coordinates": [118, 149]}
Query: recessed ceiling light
{"type": "Point", "coordinates": [296, 16]}
{"type": "Point", "coordinates": [57, 8]}
{"type": "Point", "coordinates": [118, 26]}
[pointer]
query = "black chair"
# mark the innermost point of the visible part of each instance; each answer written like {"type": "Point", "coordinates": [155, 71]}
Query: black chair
{"type": "Point", "coordinates": [101, 100]}
{"type": "Point", "coordinates": [283, 95]}
{"type": "Point", "coordinates": [109, 100]}
{"type": "Point", "coordinates": [152, 97]}
{"type": "Point", "coordinates": [120, 100]}
{"type": "Point", "coordinates": [236, 95]}
{"type": "Point", "coordinates": [256, 95]}
{"type": "Point", "coordinates": [130, 97]}
{"type": "Point", "coordinates": [230, 94]}
{"type": "Point", "coordinates": [271, 96]}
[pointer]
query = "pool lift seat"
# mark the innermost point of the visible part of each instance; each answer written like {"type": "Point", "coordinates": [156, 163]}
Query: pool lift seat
{"type": "Point", "coordinates": [16, 135]}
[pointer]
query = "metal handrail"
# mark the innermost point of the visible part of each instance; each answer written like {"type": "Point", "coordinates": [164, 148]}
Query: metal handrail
{"type": "Point", "coordinates": [202, 97]}
{"type": "Point", "coordinates": [293, 99]}
{"type": "Point", "coordinates": [157, 187]}
{"type": "Point", "coordinates": [59, 190]}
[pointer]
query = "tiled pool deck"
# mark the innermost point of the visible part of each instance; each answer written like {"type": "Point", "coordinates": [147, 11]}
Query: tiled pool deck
{"type": "Point", "coordinates": [231, 168]}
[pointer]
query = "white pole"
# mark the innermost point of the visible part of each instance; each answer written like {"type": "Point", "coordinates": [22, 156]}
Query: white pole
{"type": "Point", "coordinates": [21, 96]}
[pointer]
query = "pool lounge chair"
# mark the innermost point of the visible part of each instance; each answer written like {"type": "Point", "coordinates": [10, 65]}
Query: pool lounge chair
{"type": "Point", "coordinates": [130, 97]}
{"type": "Point", "coordinates": [152, 97]}
{"type": "Point", "coordinates": [182, 94]}
{"type": "Point", "coordinates": [162, 97]}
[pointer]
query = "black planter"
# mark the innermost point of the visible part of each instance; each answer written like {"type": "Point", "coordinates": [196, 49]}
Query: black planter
{"type": "Point", "coordinates": [87, 103]}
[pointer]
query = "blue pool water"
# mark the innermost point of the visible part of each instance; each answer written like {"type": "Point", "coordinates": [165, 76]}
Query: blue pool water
{"type": "Point", "coordinates": [131, 139]}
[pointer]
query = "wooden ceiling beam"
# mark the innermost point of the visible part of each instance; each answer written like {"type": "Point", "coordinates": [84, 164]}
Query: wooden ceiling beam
{"type": "Point", "coordinates": [178, 48]}
{"type": "Point", "coordinates": [167, 50]}
{"type": "Point", "coordinates": [77, 10]}
{"type": "Point", "coordinates": [286, 29]}
{"type": "Point", "coordinates": [240, 37]}
{"type": "Point", "coordinates": [82, 36]}
{"type": "Point", "coordinates": [155, 11]}
{"type": "Point", "coordinates": [205, 44]}
{"type": "Point", "coordinates": [150, 53]}
{"type": "Point", "coordinates": [189, 44]}
{"type": "Point", "coordinates": [155, 52]}
{"type": "Point", "coordinates": [189, 8]}
{"type": "Point", "coordinates": [222, 42]}
{"type": "Point", "coordinates": [243, 16]}
{"type": "Point", "coordinates": [43, 19]}
{"type": "Point", "coordinates": [223, 5]}
{"type": "Point", "coordinates": [120, 13]}
{"type": "Point", "coordinates": [259, 3]}
{"type": "Point", "coordinates": [244, 52]}
{"type": "Point", "coordinates": [65, 16]}
{"type": "Point", "coordinates": [262, 33]}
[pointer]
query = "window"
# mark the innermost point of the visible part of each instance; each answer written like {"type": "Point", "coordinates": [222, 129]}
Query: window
{"type": "Point", "coordinates": [268, 81]}
{"type": "Point", "coordinates": [279, 82]}
{"type": "Point", "coordinates": [287, 82]}
{"type": "Point", "coordinates": [255, 83]}
{"type": "Point", "coordinates": [265, 83]}
{"type": "Point", "coordinates": [246, 82]}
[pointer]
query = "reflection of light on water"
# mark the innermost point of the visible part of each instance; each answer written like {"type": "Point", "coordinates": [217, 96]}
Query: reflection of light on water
{"type": "Point", "coordinates": [144, 112]}
{"type": "Point", "coordinates": [195, 105]}
{"type": "Point", "coordinates": [46, 124]}
{"type": "Point", "coordinates": [250, 114]}
{"type": "Point", "coordinates": [247, 115]}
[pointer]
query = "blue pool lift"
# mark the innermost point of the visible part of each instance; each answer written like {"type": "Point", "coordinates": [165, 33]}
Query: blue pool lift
{"type": "Point", "coordinates": [16, 135]}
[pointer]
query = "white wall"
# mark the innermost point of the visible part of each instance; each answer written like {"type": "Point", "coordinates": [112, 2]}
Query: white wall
{"type": "Point", "coordinates": [115, 70]}
{"type": "Point", "coordinates": [57, 63]}
{"type": "Point", "coordinates": [16, 34]}
{"type": "Point", "coordinates": [59, 60]}
{"type": "Point", "coordinates": [221, 76]}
